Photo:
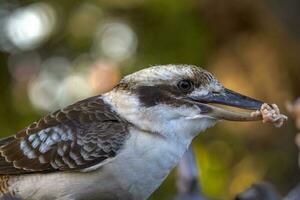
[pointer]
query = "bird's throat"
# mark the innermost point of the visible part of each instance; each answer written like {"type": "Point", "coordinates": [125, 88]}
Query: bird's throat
{"type": "Point", "coordinates": [145, 161]}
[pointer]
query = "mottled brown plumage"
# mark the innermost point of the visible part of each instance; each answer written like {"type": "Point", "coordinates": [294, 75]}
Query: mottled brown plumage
{"type": "Point", "coordinates": [73, 138]}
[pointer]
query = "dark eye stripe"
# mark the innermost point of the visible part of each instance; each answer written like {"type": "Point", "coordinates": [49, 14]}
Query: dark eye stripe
{"type": "Point", "coordinates": [153, 95]}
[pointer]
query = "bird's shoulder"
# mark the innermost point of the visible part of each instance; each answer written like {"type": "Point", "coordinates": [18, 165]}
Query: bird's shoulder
{"type": "Point", "coordinates": [73, 138]}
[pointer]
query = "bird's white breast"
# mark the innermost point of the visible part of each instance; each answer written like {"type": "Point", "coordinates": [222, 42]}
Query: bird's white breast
{"type": "Point", "coordinates": [146, 161]}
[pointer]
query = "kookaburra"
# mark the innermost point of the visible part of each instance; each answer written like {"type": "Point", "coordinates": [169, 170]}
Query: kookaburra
{"type": "Point", "coordinates": [118, 145]}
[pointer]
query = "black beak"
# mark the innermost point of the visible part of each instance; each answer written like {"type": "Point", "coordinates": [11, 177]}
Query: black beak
{"type": "Point", "coordinates": [230, 98]}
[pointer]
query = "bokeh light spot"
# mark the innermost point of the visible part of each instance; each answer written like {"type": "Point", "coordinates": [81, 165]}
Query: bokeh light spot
{"type": "Point", "coordinates": [116, 41]}
{"type": "Point", "coordinates": [28, 27]}
{"type": "Point", "coordinates": [42, 93]}
{"type": "Point", "coordinates": [73, 88]}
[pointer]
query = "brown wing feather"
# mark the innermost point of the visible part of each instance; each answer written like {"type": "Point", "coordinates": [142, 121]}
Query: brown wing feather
{"type": "Point", "coordinates": [73, 138]}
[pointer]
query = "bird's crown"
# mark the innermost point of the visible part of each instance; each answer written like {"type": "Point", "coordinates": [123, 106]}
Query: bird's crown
{"type": "Point", "coordinates": [170, 75]}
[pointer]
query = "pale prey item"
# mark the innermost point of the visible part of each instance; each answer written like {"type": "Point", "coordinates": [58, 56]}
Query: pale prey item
{"type": "Point", "coordinates": [270, 114]}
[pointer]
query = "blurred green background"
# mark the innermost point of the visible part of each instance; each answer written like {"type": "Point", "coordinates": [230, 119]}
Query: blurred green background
{"type": "Point", "coordinates": [53, 53]}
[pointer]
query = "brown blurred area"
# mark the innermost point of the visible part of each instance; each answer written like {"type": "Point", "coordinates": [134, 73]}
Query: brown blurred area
{"type": "Point", "coordinates": [54, 53]}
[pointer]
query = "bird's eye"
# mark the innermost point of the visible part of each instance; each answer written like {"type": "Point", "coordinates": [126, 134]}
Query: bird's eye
{"type": "Point", "coordinates": [185, 85]}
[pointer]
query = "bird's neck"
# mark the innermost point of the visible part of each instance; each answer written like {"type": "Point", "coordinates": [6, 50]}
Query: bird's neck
{"type": "Point", "coordinates": [145, 161]}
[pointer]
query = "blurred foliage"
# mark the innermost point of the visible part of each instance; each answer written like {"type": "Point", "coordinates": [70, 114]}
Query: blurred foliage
{"type": "Point", "coordinates": [53, 53]}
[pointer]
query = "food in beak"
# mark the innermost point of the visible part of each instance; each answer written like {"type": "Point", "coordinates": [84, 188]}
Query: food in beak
{"type": "Point", "coordinates": [267, 113]}
{"type": "Point", "coordinates": [270, 115]}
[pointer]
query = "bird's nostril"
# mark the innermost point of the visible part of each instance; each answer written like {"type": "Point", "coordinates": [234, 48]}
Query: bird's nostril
{"type": "Point", "coordinates": [215, 92]}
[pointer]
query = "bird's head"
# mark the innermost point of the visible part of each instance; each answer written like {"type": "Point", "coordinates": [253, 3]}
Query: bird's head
{"type": "Point", "coordinates": [177, 98]}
